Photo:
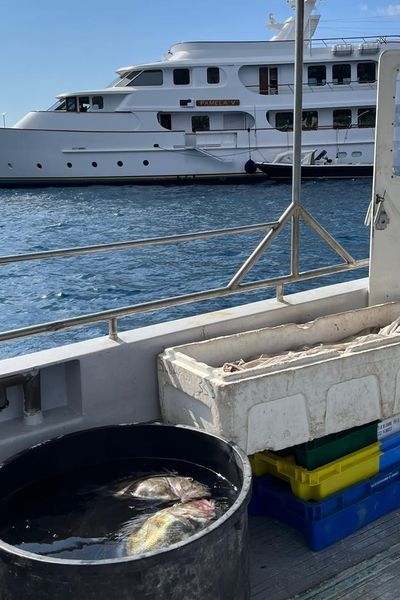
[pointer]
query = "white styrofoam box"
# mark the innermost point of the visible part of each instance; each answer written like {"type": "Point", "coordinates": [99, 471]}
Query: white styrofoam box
{"type": "Point", "coordinates": [280, 406]}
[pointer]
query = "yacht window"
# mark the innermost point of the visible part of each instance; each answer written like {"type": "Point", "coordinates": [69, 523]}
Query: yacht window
{"type": "Point", "coordinates": [152, 77]}
{"type": "Point", "coordinates": [124, 78]}
{"type": "Point", "coordinates": [117, 82]}
{"type": "Point", "coordinates": [317, 75]}
{"type": "Point", "coordinates": [181, 76]}
{"type": "Point", "coordinates": [366, 117]}
{"type": "Point", "coordinates": [201, 123]}
{"type": "Point", "coordinates": [131, 75]}
{"type": "Point", "coordinates": [165, 120]}
{"type": "Point", "coordinates": [309, 120]}
{"type": "Point", "coordinates": [84, 103]}
{"type": "Point", "coordinates": [72, 105]}
{"type": "Point", "coordinates": [61, 106]}
{"type": "Point", "coordinates": [366, 72]}
{"type": "Point", "coordinates": [213, 75]}
{"type": "Point", "coordinates": [342, 118]}
{"type": "Point", "coordinates": [268, 80]}
{"type": "Point", "coordinates": [284, 121]}
{"type": "Point", "coordinates": [97, 102]}
{"type": "Point", "coordinates": [341, 74]}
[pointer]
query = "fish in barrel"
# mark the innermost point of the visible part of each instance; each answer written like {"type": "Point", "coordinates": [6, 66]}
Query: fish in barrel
{"type": "Point", "coordinates": [165, 488]}
{"type": "Point", "coordinates": [168, 526]}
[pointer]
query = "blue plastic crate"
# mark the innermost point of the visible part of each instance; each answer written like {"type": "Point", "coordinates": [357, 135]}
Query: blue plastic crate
{"type": "Point", "coordinates": [328, 521]}
{"type": "Point", "coordinates": [390, 447]}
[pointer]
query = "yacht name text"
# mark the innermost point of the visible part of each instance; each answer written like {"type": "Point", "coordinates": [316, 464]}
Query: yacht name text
{"type": "Point", "coordinates": [217, 102]}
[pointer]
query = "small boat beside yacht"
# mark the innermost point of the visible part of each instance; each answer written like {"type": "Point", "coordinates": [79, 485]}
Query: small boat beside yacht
{"type": "Point", "coordinates": [315, 164]}
{"type": "Point", "coordinates": [202, 112]}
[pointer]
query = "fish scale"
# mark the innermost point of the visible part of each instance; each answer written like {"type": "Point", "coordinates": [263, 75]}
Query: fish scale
{"type": "Point", "coordinates": [170, 525]}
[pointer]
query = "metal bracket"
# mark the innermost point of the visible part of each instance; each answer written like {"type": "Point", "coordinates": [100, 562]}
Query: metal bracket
{"type": "Point", "coordinates": [31, 389]}
{"type": "Point", "coordinates": [381, 219]}
{"type": "Point", "coordinates": [4, 403]}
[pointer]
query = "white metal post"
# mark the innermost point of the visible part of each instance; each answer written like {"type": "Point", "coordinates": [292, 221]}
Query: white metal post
{"type": "Point", "coordinates": [384, 279]}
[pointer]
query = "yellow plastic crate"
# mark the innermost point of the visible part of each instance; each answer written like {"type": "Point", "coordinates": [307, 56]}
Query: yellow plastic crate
{"type": "Point", "coordinates": [324, 481]}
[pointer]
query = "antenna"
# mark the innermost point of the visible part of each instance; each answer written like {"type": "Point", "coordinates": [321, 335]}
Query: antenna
{"type": "Point", "coordinates": [272, 23]}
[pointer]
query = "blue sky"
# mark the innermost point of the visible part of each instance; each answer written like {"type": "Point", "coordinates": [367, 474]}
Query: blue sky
{"type": "Point", "coordinates": [51, 47]}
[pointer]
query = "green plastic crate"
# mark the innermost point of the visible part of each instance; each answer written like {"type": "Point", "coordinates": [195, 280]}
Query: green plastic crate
{"type": "Point", "coordinates": [317, 453]}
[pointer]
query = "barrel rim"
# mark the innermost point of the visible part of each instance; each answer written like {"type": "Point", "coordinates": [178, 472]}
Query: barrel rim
{"type": "Point", "coordinates": [240, 503]}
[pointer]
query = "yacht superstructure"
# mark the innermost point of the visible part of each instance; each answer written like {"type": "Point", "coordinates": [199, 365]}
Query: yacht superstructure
{"type": "Point", "coordinates": [206, 111]}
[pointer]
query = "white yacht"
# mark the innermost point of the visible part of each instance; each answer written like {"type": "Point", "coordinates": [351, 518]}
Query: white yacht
{"type": "Point", "coordinates": [207, 111]}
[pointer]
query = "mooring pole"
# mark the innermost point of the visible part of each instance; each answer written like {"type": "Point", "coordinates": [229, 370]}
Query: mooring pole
{"type": "Point", "coordinates": [297, 132]}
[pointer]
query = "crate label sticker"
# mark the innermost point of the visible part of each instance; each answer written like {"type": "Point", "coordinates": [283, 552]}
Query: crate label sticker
{"type": "Point", "coordinates": [392, 424]}
{"type": "Point", "coordinates": [387, 478]}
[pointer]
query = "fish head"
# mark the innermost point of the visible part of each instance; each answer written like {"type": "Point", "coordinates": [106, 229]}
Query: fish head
{"type": "Point", "coordinates": [187, 489]}
{"type": "Point", "coordinates": [199, 510]}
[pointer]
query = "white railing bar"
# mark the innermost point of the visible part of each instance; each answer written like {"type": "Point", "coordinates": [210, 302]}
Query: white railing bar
{"type": "Point", "coordinates": [173, 239]}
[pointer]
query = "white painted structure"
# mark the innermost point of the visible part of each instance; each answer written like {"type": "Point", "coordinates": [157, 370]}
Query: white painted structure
{"type": "Point", "coordinates": [202, 112]}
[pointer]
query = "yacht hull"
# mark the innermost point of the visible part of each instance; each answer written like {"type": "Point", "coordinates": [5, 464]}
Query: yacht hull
{"type": "Point", "coordinates": [40, 157]}
{"type": "Point", "coordinates": [211, 178]}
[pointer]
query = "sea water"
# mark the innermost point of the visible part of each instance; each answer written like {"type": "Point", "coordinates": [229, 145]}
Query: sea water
{"type": "Point", "coordinates": [49, 290]}
{"type": "Point", "coordinates": [78, 515]}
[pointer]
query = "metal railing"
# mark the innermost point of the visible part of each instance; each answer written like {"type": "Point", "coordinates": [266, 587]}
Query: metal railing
{"type": "Point", "coordinates": [235, 286]}
{"type": "Point", "coordinates": [328, 86]}
{"type": "Point", "coordinates": [328, 42]}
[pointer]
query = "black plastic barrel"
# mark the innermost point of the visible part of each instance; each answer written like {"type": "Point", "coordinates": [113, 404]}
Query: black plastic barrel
{"type": "Point", "coordinates": [212, 565]}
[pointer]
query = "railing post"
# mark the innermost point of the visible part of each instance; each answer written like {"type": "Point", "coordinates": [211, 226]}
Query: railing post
{"type": "Point", "coordinates": [279, 292]}
{"type": "Point", "coordinates": [295, 243]}
{"type": "Point", "coordinates": [32, 399]}
{"type": "Point", "coordinates": [113, 329]}
{"type": "Point", "coordinates": [298, 104]}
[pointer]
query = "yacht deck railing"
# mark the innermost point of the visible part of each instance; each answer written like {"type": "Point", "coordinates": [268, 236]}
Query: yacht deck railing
{"type": "Point", "coordinates": [329, 42]}
{"type": "Point", "coordinates": [327, 86]}
{"type": "Point", "coordinates": [235, 286]}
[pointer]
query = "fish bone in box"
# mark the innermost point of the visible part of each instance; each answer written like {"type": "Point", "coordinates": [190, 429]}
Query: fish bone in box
{"type": "Point", "coordinates": [295, 397]}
